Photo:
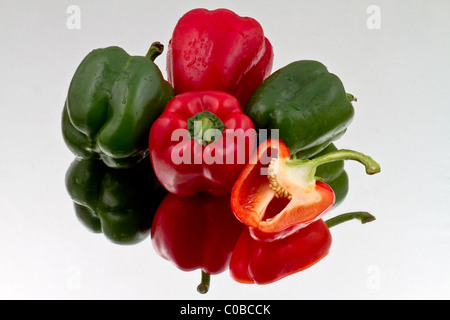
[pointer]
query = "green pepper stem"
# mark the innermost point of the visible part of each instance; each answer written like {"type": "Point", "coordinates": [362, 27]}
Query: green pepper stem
{"type": "Point", "coordinates": [155, 50]}
{"type": "Point", "coordinates": [362, 216]}
{"type": "Point", "coordinates": [205, 127]}
{"type": "Point", "coordinates": [351, 97]}
{"type": "Point", "coordinates": [306, 168]}
{"type": "Point", "coordinates": [371, 165]}
{"type": "Point", "coordinates": [203, 287]}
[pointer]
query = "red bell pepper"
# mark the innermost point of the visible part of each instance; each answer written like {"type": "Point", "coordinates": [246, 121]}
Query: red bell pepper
{"type": "Point", "coordinates": [197, 232]}
{"type": "Point", "coordinates": [276, 195]}
{"type": "Point", "coordinates": [201, 142]}
{"type": "Point", "coordinates": [218, 50]}
{"type": "Point", "coordinates": [264, 262]}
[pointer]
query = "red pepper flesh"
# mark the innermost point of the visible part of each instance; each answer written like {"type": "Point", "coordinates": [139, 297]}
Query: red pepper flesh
{"type": "Point", "coordinates": [276, 196]}
{"type": "Point", "coordinates": [254, 202]}
{"type": "Point", "coordinates": [218, 50]}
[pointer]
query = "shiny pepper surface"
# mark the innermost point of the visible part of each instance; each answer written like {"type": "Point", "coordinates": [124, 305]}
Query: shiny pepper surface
{"type": "Point", "coordinates": [262, 262]}
{"type": "Point", "coordinates": [218, 50]}
{"type": "Point", "coordinates": [306, 103]}
{"type": "Point", "coordinates": [188, 159]}
{"type": "Point", "coordinates": [112, 102]}
{"type": "Point", "coordinates": [118, 203]}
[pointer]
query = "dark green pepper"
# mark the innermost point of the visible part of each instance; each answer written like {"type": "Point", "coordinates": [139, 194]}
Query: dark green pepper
{"type": "Point", "coordinates": [119, 203]}
{"type": "Point", "coordinates": [333, 174]}
{"type": "Point", "coordinates": [306, 103]}
{"type": "Point", "coordinates": [113, 100]}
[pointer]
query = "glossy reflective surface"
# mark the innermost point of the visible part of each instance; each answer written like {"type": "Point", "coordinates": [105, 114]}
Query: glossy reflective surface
{"type": "Point", "coordinates": [399, 73]}
{"type": "Point", "coordinates": [120, 204]}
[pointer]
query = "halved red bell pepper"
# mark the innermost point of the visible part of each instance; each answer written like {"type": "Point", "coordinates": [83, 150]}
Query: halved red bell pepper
{"type": "Point", "coordinates": [276, 195]}
{"type": "Point", "coordinates": [264, 262]}
{"type": "Point", "coordinates": [218, 50]}
{"type": "Point", "coordinates": [197, 232]}
{"type": "Point", "coordinates": [201, 142]}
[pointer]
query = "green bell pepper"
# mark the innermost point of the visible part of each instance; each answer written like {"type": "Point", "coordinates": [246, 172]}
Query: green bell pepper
{"type": "Point", "coordinates": [306, 103]}
{"type": "Point", "coordinates": [333, 174]}
{"type": "Point", "coordinates": [113, 100]}
{"type": "Point", "coordinates": [120, 204]}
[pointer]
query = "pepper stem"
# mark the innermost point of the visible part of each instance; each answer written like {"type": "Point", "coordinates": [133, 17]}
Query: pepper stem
{"type": "Point", "coordinates": [362, 216]}
{"type": "Point", "coordinates": [203, 287]}
{"type": "Point", "coordinates": [371, 165]}
{"type": "Point", "coordinates": [205, 127]}
{"type": "Point", "coordinates": [351, 97]}
{"type": "Point", "coordinates": [303, 171]}
{"type": "Point", "coordinates": [155, 50]}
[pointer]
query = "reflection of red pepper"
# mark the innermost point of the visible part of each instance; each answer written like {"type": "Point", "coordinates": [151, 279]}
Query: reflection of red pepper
{"type": "Point", "coordinates": [197, 232]}
{"type": "Point", "coordinates": [201, 142]}
{"type": "Point", "coordinates": [276, 197]}
{"type": "Point", "coordinates": [264, 262]}
{"type": "Point", "coordinates": [218, 50]}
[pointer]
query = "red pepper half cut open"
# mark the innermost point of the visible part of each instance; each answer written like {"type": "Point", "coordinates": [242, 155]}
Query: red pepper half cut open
{"type": "Point", "coordinates": [276, 195]}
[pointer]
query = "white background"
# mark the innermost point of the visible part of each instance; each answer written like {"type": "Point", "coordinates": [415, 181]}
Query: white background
{"type": "Point", "coordinates": [400, 74]}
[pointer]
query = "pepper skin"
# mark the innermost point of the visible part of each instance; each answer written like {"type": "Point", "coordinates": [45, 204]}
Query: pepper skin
{"type": "Point", "coordinates": [197, 232]}
{"type": "Point", "coordinates": [306, 103]}
{"type": "Point", "coordinates": [186, 159]}
{"type": "Point", "coordinates": [118, 203]}
{"type": "Point", "coordinates": [276, 196]}
{"type": "Point", "coordinates": [113, 100]}
{"type": "Point", "coordinates": [218, 50]}
{"type": "Point", "coordinates": [262, 262]}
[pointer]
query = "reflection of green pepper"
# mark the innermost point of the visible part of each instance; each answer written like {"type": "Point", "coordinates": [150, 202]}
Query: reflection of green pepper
{"type": "Point", "coordinates": [306, 103]}
{"type": "Point", "coordinates": [119, 203]}
{"type": "Point", "coordinates": [333, 174]}
{"type": "Point", "coordinates": [112, 102]}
